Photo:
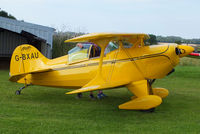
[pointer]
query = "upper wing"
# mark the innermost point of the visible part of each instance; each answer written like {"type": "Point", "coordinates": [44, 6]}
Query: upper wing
{"type": "Point", "coordinates": [93, 37]}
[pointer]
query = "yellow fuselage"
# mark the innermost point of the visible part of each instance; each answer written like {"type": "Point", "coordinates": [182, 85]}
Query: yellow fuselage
{"type": "Point", "coordinates": [123, 64]}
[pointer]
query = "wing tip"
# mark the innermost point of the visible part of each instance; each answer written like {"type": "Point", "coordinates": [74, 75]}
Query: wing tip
{"type": "Point", "coordinates": [68, 93]}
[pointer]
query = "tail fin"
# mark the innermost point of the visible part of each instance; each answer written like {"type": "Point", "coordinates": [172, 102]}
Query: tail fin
{"type": "Point", "coordinates": [26, 59]}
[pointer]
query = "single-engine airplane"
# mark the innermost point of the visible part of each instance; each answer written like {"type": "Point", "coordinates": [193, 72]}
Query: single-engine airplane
{"type": "Point", "coordinates": [118, 64]}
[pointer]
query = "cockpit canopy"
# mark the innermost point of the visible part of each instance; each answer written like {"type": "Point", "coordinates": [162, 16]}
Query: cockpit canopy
{"type": "Point", "coordinates": [87, 50]}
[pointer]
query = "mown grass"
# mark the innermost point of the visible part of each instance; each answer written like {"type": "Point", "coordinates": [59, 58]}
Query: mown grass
{"type": "Point", "coordinates": [48, 110]}
{"type": "Point", "coordinates": [187, 61]}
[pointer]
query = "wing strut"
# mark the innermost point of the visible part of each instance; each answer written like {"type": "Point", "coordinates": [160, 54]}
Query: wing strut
{"type": "Point", "coordinates": [98, 82]}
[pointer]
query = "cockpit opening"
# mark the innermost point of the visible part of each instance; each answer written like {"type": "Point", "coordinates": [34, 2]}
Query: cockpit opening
{"type": "Point", "coordinates": [88, 50]}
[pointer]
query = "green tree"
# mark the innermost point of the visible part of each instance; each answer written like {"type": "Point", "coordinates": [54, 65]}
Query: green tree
{"type": "Point", "coordinates": [59, 47]}
{"type": "Point", "coordinates": [5, 14]}
{"type": "Point", "coordinates": [178, 42]}
{"type": "Point", "coordinates": [152, 40]}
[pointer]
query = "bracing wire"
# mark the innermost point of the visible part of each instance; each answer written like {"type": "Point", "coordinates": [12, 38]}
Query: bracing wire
{"type": "Point", "coordinates": [112, 66]}
{"type": "Point", "coordinates": [134, 63]}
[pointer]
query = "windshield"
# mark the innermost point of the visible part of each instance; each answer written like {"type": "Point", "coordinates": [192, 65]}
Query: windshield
{"type": "Point", "coordinates": [77, 48]}
{"type": "Point", "coordinates": [80, 52]}
{"type": "Point", "coordinates": [84, 51]}
{"type": "Point", "coordinates": [111, 46]}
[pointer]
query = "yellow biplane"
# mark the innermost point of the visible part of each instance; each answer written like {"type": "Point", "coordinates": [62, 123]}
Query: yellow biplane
{"type": "Point", "coordinates": [123, 60]}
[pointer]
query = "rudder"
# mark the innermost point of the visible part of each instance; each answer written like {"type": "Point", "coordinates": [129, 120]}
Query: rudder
{"type": "Point", "coordinates": [26, 59]}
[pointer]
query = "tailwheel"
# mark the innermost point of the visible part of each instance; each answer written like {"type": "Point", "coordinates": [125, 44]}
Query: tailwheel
{"type": "Point", "coordinates": [18, 92]}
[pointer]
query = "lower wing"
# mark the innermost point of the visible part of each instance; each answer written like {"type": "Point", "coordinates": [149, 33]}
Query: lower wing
{"type": "Point", "coordinates": [98, 83]}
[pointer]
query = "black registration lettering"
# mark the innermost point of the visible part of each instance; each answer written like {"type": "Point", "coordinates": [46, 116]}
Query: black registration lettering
{"type": "Point", "coordinates": [23, 57]}
{"type": "Point", "coordinates": [17, 57]}
{"type": "Point", "coordinates": [32, 56]}
{"type": "Point", "coordinates": [36, 55]}
{"type": "Point", "coordinates": [27, 56]}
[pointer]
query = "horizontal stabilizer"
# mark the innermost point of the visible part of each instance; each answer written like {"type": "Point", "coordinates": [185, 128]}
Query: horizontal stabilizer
{"type": "Point", "coordinates": [15, 78]}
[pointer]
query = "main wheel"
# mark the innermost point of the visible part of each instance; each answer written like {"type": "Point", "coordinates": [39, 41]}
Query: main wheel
{"type": "Point", "coordinates": [149, 110]}
{"type": "Point", "coordinates": [18, 92]}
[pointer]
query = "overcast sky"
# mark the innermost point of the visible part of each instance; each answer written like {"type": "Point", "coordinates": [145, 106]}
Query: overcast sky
{"type": "Point", "coordinates": [160, 17]}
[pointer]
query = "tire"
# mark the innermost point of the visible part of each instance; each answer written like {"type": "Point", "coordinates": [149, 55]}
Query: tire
{"type": "Point", "coordinates": [18, 92]}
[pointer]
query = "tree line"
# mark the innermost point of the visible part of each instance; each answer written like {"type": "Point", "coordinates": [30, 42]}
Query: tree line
{"type": "Point", "coordinates": [176, 39]}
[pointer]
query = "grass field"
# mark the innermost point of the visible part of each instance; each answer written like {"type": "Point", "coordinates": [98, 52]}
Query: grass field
{"type": "Point", "coordinates": [44, 110]}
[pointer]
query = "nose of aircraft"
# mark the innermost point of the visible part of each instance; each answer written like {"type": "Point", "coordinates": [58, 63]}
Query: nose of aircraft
{"type": "Point", "coordinates": [184, 50]}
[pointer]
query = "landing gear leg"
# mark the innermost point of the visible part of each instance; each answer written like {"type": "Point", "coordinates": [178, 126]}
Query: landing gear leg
{"type": "Point", "coordinates": [18, 92]}
{"type": "Point", "coordinates": [161, 92]}
{"type": "Point", "coordinates": [150, 82]}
